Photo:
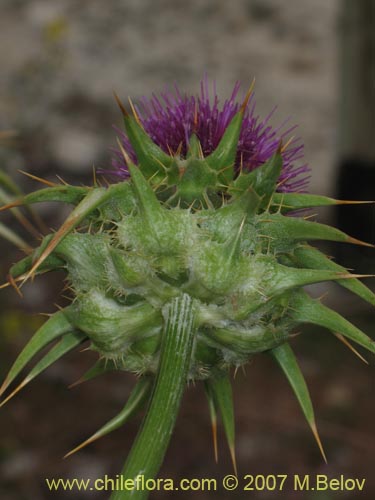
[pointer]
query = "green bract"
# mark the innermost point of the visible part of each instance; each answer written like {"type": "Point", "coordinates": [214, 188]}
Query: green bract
{"type": "Point", "coordinates": [186, 235]}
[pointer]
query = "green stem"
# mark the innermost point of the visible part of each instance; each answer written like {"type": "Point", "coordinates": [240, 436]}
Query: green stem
{"type": "Point", "coordinates": [147, 453]}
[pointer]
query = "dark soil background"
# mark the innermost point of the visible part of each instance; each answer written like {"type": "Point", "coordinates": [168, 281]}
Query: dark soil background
{"type": "Point", "coordinates": [60, 63]}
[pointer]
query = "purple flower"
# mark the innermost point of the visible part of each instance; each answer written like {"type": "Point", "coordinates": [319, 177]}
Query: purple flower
{"type": "Point", "coordinates": [172, 118]}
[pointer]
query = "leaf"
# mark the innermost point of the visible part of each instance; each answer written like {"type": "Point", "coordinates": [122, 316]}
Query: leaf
{"type": "Point", "coordinates": [304, 309]}
{"type": "Point", "coordinates": [279, 227]}
{"type": "Point", "coordinates": [56, 326]}
{"type": "Point", "coordinates": [151, 158]}
{"type": "Point", "coordinates": [223, 157]}
{"type": "Point", "coordinates": [66, 344]}
{"type": "Point", "coordinates": [195, 148]}
{"type": "Point", "coordinates": [247, 340]}
{"type": "Point", "coordinates": [94, 198]}
{"type": "Point", "coordinates": [20, 268]}
{"type": "Point", "coordinates": [295, 201]}
{"type": "Point", "coordinates": [314, 259]}
{"type": "Point", "coordinates": [136, 401]}
{"type": "Point", "coordinates": [103, 365]}
{"type": "Point", "coordinates": [262, 180]}
{"type": "Point", "coordinates": [284, 355]}
{"type": "Point", "coordinates": [213, 416]}
{"type": "Point", "coordinates": [221, 389]}
{"type": "Point", "coordinates": [145, 195]}
{"type": "Point", "coordinates": [65, 194]}
{"type": "Point", "coordinates": [285, 277]}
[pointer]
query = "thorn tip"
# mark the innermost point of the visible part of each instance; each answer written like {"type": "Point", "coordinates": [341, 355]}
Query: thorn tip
{"type": "Point", "coordinates": [247, 97]}
{"type": "Point", "coordinates": [121, 106]}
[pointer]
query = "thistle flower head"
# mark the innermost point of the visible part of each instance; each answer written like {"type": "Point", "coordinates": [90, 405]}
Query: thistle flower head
{"type": "Point", "coordinates": [191, 264]}
{"type": "Point", "coordinates": [173, 117]}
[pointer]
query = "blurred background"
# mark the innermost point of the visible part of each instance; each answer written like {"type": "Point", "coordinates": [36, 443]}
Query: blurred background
{"type": "Point", "coordinates": [60, 62]}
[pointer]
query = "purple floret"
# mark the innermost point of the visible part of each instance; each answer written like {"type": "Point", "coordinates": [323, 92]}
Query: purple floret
{"type": "Point", "coordinates": [172, 118]}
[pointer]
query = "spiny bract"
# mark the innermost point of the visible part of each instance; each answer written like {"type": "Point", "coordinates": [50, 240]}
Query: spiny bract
{"type": "Point", "coordinates": [187, 225]}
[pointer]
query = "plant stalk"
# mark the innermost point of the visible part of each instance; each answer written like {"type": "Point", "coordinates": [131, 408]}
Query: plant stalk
{"type": "Point", "coordinates": [150, 445]}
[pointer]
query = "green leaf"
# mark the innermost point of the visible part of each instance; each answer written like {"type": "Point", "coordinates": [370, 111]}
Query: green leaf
{"type": "Point", "coordinates": [86, 257]}
{"type": "Point", "coordinates": [213, 416]}
{"type": "Point", "coordinates": [283, 354]}
{"type": "Point", "coordinates": [295, 201]}
{"type": "Point", "coordinates": [223, 157]}
{"type": "Point", "coordinates": [136, 401]}
{"type": "Point", "coordinates": [247, 340]}
{"type": "Point", "coordinates": [152, 160]}
{"type": "Point", "coordinates": [93, 200]}
{"type": "Point", "coordinates": [304, 309]}
{"type": "Point", "coordinates": [266, 176]}
{"type": "Point", "coordinates": [23, 266]}
{"type": "Point", "coordinates": [66, 344]}
{"type": "Point", "coordinates": [103, 365]}
{"type": "Point", "coordinates": [262, 180]}
{"type": "Point", "coordinates": [120, 201]}
{"type": "Point", "coordinates": [279, 227]}
{"type": "Point", "coordinates": [56, 326]}
{"type": "Point", "coordinates": [198, 179]}
{"type": "Point", "coordinates": [195, 148]}
{"type": "Point", "coordinates": [221, 388]}
{"type": "Point", "coordinates": [286, 277]}
{"type": "Point", "coordinates": [308, 256]}
{"type": "Point", "coordinates": [65, 194]}
{"type": "Point", "coordinates": [244, 204]}
{"type": "Point", "coordinates": [147, 199]}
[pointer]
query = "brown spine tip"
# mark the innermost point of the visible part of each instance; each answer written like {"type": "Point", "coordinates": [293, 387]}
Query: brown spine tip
{"type": "Point", "coordinates": [178, 150]}
{"type": "Point", "coordinates": [353, 202]}
{"type": "Point", "coordinates": [62, 180]}
{"type": "Point", "coordinates": [350, 276]}
{"type": "Point", "coordinates": [12, 282]}
{"type": "Point", "coordinates": [287, 144]}
{"type": "Point", "coordinates": [355, 241]}
{"type": "Point", "coordinates": [13, 204]}
{"type": "Point", "coordinates": [135, 113]}
{"type": "Point", "coordinates": [214, 439]}
{"type": "Point", "coordinates": [124, 153]}
{"type": "Point", "coordinates": [234, 462]}
{"type": "Point", "coordinates": [39, 179]}
{"type": "Point", "coordinates": [317, 439]}
{"type": "Point", "coordinates": [14, 392]}
{"type": "Point", "coordinates": [349, 345]}
{"type": "Point", "coordinates": [76, 383]}
{"type": "Point", "coordinates": [195, 122]}
{"type": "Point", "coordinates": [58, 236]}
{"type": "Point", "coordinates": [82, 445]}
{"type": "Point", "coordinates": [120, 105]}
{"type": "Point", "coordinates": [4, 386]}
{"type": "Point", "coordinates": [247, 97]}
